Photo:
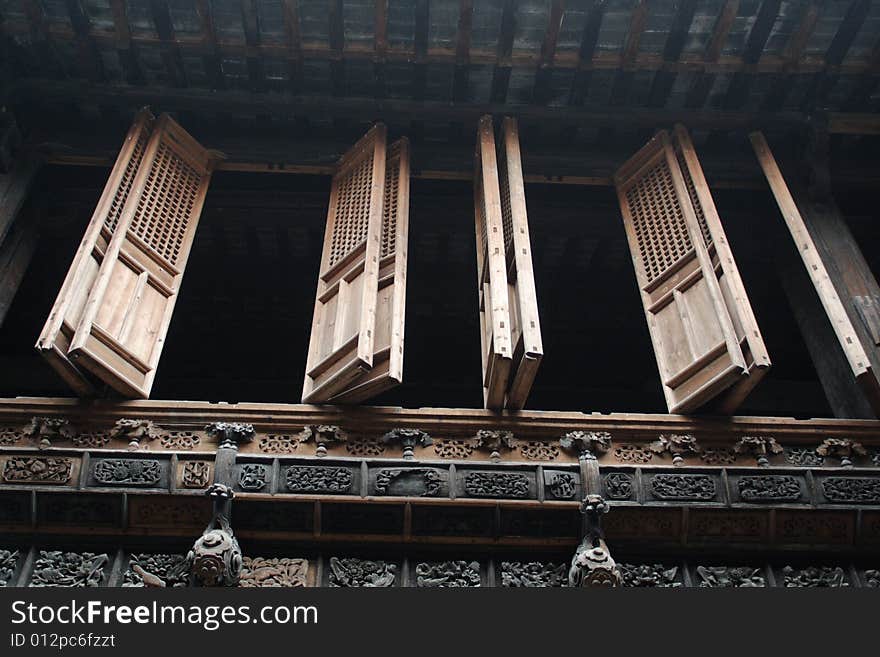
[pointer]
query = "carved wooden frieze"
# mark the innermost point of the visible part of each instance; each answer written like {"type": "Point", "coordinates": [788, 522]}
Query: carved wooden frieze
{"type": "Point", "coordinates": [361, 573]}
{"type": "Point", "coordinates": [633, 454]}
{"type": "Point", "coordinates": [274, 573]}
{"type": "Point", "coordinates": [769, 488]}
{"type": "Point", "coordinates": [871, 578]}
{"type": "Point", "coordinates": [43, 430]}
{"type": "Point", "coordinates": [365, 447]}
{"type": "Point", "coordinates": [533, 574]}
{"type": "Point", "coordinates": [814, 577]}
{"type": "Point", "coordinates": [319, 479]}
{"type": "Point", "coordinates": [561, 485]}
{"type": "Point", "coordinates": [163, 570]}
{"type": "Point", "coordinates": [449, 448]}
{"type": "Point", "coordinates": [618, 486]}
{"type": "Point", "coordinates": [91, 440]}
{"type": "Point", "coordinates": [421, 482]}
{"type": "Point", "coordinates": [68, 569]}
{"type": "Point", "coordinates": [504, 485]}
{"type": "Point", "coordinates": [851, 490]}
{"type": "Point", "coordinates": [150, 511]}
{"type": "Point", "coordinates": [448, 574]}
{"type": "Point", "coordinates": [127, 472]}
{"type": "Point", "coordinates": [803, 456]}
{"type": "Point", "coordinates": [718, 456]}
{"type": "Point", "coordinates": [252, 477]}
{"type": "Point", "coordinates": [649, 575]}
{"type": "Point", "coordinates": [536, 450]}
{"type": "Point", "coordinates": [195, 474]}
{"type": "Point", "coordinates": [727, 526]}
{"type": "Point", "coordinates": [683, 487]}
{"type": "Point", "coordinates": [37, 470]}
{"type": "Point", "coordinates": [8, 563]}
{"type": "Point", "coordinates": [280, 443]}
{"type": "Point", "coordinates": [10, 436]}
{"type": "Point", "coordinates": [182, 440]}
{"type": "Point", "coordinates": [729, 577]}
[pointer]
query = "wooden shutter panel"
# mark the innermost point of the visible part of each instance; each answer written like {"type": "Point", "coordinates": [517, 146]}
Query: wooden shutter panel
{"type": "Point", "coordinates": [695, 341]}
{"type": "Point", "coordinates": [121, 332]}
{"type": "Point", "coordinates": [387, 370]}
{"type": "Point", "coordinates": [748, 334]}
{"type": "Point", "coordinates": [341, 347]}
{"type": "Point", "coordinates": [509, 323]}
{"type": "Point", "coordinates": [843, 325]}
{"type": "Point", "coordinates": [57, 334]}
{"type": "Point", "coordinates": [525, 326]}
{"type": "Point", "coordinates": [495, 335]}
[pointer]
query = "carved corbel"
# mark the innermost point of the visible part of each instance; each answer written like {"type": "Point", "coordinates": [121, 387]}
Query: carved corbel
{"type": "Point", "coordinates": [758, 447]}
{"type": "Point", "coordinates": [136, 431]}
{"type": "Point", "coordinates": [409, 439]}
{"type": "Point", "coordinates": [495, 441]}
{"type": "Point", "coordinates": [41, 430]}
{"type": "Point", "coordinates": [841, 448]}
{"type": "Point", "coordinates": [588, 445]}
{"type": "Point", "coordinates": [215, 559]}
{"type": "Point", "coordinates": [231, 435]}
{"type": "Point", "coordinates": [323, 435]}
{"type": "Point", "coordinates": [678, 445]}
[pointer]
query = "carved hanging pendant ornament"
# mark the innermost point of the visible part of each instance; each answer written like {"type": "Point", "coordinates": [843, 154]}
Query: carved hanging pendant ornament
{"type": "Point", "coordinates": [215, 559]}
{"type": "Point", "coordinates": [592, 564]}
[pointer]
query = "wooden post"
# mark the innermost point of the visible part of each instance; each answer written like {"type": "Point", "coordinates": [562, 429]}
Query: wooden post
{"type": "Point", "coordinates": [838, 272]}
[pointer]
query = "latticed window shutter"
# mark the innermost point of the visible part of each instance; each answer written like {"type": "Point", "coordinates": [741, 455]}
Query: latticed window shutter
{"type": "Point", "coordinates": [121, 328]}
{"type": "Point", "coordinates": [509, 326]}
{"type": "Point", "coordinates": [706, 340]}
{"type": "Point", "coordinates": [387, 370]}
{"type": "Point", "coordinates": [748, 334]}
{"type": "Point", "coordinates": [356, 346]}
{"type": "Point", "coordinates": [57, 334]}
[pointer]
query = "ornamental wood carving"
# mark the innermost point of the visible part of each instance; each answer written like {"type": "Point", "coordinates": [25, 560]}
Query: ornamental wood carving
{"type": "Point", "coordinates": [37, 470]}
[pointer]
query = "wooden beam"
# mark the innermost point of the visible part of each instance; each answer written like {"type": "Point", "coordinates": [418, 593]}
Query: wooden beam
{"type": "Point", "coordinates": [815, 261]}
{"type": "Point", "coordinates": [462, 50]}
{"type": "Point", "coordinates": [44, 92]}
{"type": "Point", "coordinates": [741, 82]}
{"type": "Point", "coordinates": [846, 33]}
{"type": "Point", "coordinates": [420, 38]}
{"type": "Point", "coordinates": [87, 52]}
{"type": "Point", "coordinates": [581, 81]}
{"type": "Point", "coordinates": [170, 54]}
{"type": "Point", "coordinates": [501, 74]}
{"type": "Point", "coordinates": [623, 79]}
{"type": "Point", "coordinates": [293, 43]}
{"type": "Point", "coordinates": [211, 54]}
{"type": "Point", "coordinates": [794, 50]}
{"type": "Point", "coordinates": [544, 71]}
{"type": "Point", "coordinates": [824, 81]}
{"type": "Point", "coordinates": [703, 81]}
{"type": "Point", "coordinates": [251, 29]}
{"type": "Point", "coordinates": [661, 86]}
{"type": "Point", "coordinates": [124, 47]}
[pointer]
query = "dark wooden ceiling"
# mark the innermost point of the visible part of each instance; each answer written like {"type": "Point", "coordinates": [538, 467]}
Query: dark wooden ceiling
{"type": "Point", "coordinates": [679, 54]}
